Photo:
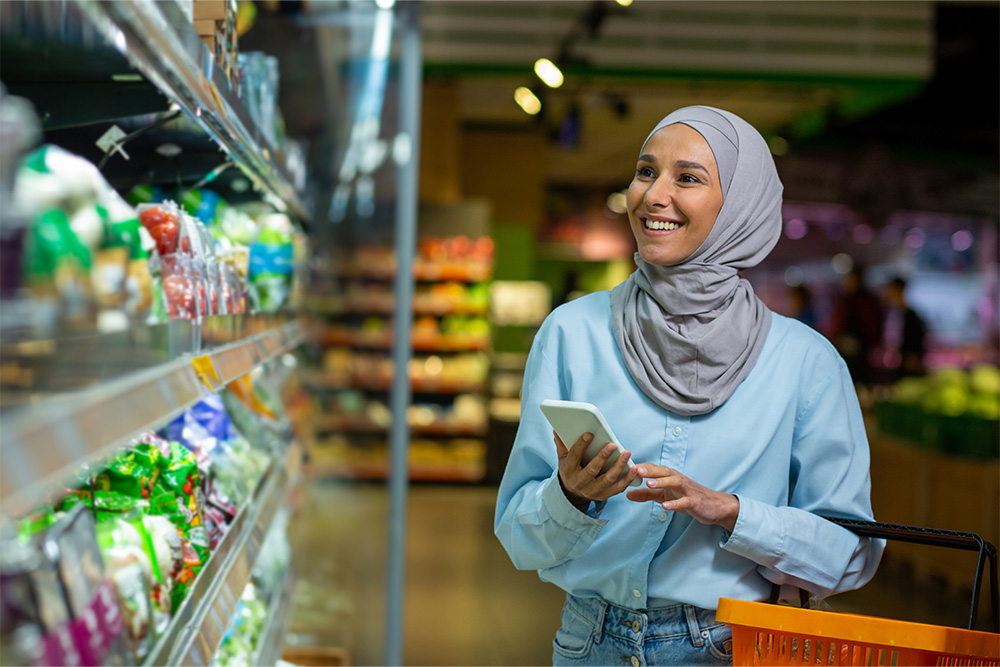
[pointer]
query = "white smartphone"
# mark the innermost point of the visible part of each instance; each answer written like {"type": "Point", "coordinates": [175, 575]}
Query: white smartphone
{"type": "Point", "coordinates": [571, 419]}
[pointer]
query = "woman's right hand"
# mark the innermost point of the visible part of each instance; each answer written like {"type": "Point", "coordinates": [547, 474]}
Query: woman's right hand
{"type": "Point", "coordinates": [585, 483]}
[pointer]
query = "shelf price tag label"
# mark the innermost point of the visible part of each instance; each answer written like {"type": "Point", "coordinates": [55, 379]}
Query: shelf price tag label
{"type": "Point", "coordinates": [205, 369]}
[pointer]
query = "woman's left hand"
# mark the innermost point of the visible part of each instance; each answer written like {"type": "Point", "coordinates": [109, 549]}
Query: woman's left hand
{"type": "Point", "coordinates": [678, 493]}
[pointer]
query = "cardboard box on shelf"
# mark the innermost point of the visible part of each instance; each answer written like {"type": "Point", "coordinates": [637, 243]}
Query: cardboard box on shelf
{"type": "Point", "coordinates": [205, 27]}
{"type": "Point", "coordinates": [214, 10]}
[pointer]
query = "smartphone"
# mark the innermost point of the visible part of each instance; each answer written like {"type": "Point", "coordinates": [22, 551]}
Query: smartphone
{"type": "Point", "coordinates": [571, 419]}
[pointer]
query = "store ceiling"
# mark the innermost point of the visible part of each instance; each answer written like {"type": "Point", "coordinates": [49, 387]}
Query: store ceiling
{"type": "Point", "coordinates": [784, 66]}
{"type": "Point", "coordinates": [839, 81]}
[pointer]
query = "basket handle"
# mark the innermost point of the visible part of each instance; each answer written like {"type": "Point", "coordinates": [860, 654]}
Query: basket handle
{"type": "Point", "coordinates": [939, 538]}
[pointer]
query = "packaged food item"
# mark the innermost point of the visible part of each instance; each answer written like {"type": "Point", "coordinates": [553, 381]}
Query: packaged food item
{"type": "Point", "coordinates": [169, 485]}
{"type": "Point", "coordinates": [271, 264]}
{"type": "Point", "coordinates": [34, 615]}
{"type": "Point", "coordinates": [162, 223]}
{"type": "Point", "coordinates": [130, 571]}
{"type": "Point", "coordinates": [96, 623]}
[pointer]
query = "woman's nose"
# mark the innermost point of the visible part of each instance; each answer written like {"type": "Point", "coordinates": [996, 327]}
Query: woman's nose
{"type": "Point", "coordinates": [659, 193]}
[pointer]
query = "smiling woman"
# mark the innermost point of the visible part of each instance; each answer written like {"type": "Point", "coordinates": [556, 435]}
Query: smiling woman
{"type": "Point", "coordinates": [743, 424]}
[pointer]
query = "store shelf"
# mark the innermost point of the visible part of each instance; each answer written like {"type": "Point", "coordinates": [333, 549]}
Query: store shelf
{"type": "Point", "coordinates": [46, 441]}
{"type": "Point", "coordinates": [421, 343]}
{"type": "Point", "coordinates": [173, 58]}
{"type": "Point", "coordinates": [420, 386]}
{"type": "Point", "coordinates": [385, 306]}
{"type": "Point", "coordinates": [354, 425]}
{"type": "Point", "coordinates": [424, 271]}
{"type": "Point", "coordinates": [199, 624]}
{"type": "Point", "coordinates": [378, 471]}
{"type": "Point", "coordinates": [272, 637]}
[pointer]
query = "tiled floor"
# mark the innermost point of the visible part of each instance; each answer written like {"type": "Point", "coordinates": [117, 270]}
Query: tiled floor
{"type": "Point", "coordinates": [465, 604]}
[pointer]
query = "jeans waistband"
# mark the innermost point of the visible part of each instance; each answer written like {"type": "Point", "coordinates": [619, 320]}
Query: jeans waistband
{"type": "Point", "coordinates": [638, 625]}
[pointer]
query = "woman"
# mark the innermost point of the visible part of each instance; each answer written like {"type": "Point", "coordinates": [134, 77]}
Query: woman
{"type": "Point", "coordinates": [743, 425]}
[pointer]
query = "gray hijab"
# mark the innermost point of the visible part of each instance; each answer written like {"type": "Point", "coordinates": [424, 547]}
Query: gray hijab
{"type": "Point", "coordinates": [691, 332]}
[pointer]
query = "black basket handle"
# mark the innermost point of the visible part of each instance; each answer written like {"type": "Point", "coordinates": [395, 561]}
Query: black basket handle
{"type": "Point", "coordinates": [939, 538]}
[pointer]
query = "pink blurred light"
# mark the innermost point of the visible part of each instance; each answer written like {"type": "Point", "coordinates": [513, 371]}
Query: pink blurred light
{"type": "Point", "coordinates": [915, 238]}
{"type": "Point", "coordinates": [862, 234]}
{"type": "Point", "coordinates": [796, 228]}
{"type": "Point", "coordinates": [961, 240]}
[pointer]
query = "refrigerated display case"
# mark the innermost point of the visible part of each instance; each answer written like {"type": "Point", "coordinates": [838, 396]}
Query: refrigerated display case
{"type": "Point", "coordinates": [138, 76]}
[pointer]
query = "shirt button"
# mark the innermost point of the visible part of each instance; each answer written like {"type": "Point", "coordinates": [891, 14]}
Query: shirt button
{"type": "Point", "coordinates": [662, 517]}
{"type": "Point", "coordinates": [636, 592]}
{"type": "Point", "coordinates": [635, 661]}
{"type": "Point", "coordinates": [677, 431]}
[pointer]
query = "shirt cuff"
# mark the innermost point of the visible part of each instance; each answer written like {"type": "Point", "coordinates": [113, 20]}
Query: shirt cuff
{"type": "Point", "coordinates": [565, 513]}
{"type": "Point", "coordinates": [756, 535]}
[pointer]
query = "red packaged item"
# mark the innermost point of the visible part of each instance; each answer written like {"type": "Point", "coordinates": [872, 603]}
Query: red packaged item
{"type": "Point", "coordinates": [162, 224]}
{"type": "Point", "coordinates": [178, 286]}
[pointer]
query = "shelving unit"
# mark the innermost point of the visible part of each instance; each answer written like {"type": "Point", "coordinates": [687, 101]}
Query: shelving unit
{"type": "Point", "coordinates": [173, 58]}
{"type": "Point", "coordinates": [448, 366]}
{"type": "Point", "coordinates": [73, 399]}
{"type": "Point", "coordinates": [46, 441]}
{"type": "Point", "coordinates": [198, 626]}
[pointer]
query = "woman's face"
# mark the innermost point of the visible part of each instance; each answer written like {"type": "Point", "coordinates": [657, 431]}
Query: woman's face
{"type": "Point", "coordinates": [675, 195]}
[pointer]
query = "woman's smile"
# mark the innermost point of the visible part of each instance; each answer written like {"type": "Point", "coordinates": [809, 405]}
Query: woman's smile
{"type": "Point", "coordinates": [654, 225]}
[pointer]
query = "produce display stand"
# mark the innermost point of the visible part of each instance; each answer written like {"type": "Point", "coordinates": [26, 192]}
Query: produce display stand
{"type": "Point", "coordinates": [199, 625]}
{"type": "Point", "coordinates": [768, 634]}
{"type": "Point", "coordinates": [45, 442]}
{"type": "Point", "coordinates": [172, 57]}
{"type": "Point", "coordinates": [92, 392]}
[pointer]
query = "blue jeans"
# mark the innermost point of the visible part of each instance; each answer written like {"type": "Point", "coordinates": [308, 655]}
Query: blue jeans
{"type": "Point", "coordinates": [596, 632]}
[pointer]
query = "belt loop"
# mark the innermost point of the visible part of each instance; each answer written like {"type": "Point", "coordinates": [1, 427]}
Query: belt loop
{"type": "Point", "coordinates": [692, 619]}
{"type": "Point", "coordinates": [599, 627]}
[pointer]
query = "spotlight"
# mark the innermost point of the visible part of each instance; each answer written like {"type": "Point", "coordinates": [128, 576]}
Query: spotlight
{"type": "Point", "coordinates": [548, 72]}
{"type": "Point", "coordinates": [527, 101]}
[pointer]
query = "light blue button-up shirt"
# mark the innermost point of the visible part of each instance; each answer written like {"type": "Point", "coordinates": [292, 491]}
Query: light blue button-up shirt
{"type": "Point", "coordinates": [790, 443]}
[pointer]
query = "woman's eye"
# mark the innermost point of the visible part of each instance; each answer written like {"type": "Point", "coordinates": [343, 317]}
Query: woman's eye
{"type": "Point", "coordinates": [644, 172]}
{"type": "Point", "coordinates": [688, 178]}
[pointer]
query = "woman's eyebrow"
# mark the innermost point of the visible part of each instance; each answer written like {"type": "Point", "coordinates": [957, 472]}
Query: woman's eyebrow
{"type": "Point", "coordinates": [686, 164]}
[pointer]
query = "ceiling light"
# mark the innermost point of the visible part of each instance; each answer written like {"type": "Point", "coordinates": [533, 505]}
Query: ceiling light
{"type": "Point", "coordinates": [548, 72]}
{"type": "Point", "coordinates": [527, 101]}
{"type": "Point", "coordinates": [624, 3]}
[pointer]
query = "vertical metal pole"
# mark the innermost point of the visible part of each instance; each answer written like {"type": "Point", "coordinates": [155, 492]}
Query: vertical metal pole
{"type": "Point", "coordinates": [406, 152]}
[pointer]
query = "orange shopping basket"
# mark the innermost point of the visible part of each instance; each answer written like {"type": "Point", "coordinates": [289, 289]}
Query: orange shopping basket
{"type": "Point", "coordinates": [769, 634]}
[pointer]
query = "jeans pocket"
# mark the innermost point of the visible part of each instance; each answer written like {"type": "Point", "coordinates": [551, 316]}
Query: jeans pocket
{"type": "Point", "coordinates": [575, 637]}
{"type": "Point", "coordinates": [720, 642]}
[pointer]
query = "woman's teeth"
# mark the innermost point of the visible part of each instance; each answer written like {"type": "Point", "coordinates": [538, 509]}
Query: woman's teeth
{"type": "Point", "coordinates": [659, 226]}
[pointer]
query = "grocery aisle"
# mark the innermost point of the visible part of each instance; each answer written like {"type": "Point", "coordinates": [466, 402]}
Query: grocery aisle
{"type": "Point", "coordinates": [465, 602]}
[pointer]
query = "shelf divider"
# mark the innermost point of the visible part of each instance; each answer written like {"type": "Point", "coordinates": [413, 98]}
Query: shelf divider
{"type": "Point", "coordinates": [44, 443]}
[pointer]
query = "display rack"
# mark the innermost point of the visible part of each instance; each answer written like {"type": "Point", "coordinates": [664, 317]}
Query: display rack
{"type": "Point", "coordinates": [80, 397]}
{"type": "Point", "coordinates": [175, 60]}
{"type": "Point", "coordinates": [268, 649]}
{"type": "Point", "coordinates": [350, 445]}
{"type": "Point", "coordinates": [199, 625]}
{"type": "Point", "coordinates": [46, 442]}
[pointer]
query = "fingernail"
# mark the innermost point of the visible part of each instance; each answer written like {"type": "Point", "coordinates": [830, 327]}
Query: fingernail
{"type": "Point", "coordinates": [587, 437]}
{"type": "Point", "coordinates": [641, 471]}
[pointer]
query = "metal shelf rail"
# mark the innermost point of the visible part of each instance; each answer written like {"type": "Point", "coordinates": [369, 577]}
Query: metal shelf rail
{"type": "Point", "coordinates": [173, 58]}
{"type": "Point", "coordinates": [45, 443]}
